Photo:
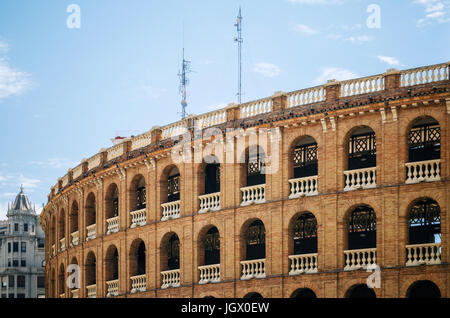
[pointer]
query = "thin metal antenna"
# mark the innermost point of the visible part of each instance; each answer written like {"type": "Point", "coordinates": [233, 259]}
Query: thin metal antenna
{"type": "Point", "coordinates": [184, 81]}
{"type": "Point", "coordinates": [239, 40]}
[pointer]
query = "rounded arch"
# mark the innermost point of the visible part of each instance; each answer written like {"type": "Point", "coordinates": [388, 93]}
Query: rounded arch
{"type": "Point", "coordinates": [112, 263]}
{"type": "Point", "coordinates": [361, 225]}
{"type": "Point", "coordinates": [112, 201]}
{"type": "Point", "coordinates": [423, 139]}
{"type": "Point", "coordinates": [303, 157]}
{"type": "Point", "coordinates": [303, 233]}
{"type": "Point", "coordinates": [254, 165]}
{"type": "Point", "coordinates": [424, 221]}
{"type": "Point", "coordinates": [138, 257]}
{"type": "Point", "coordinates": [360, 148]}
{"type": "Point", "coordinates": [209, 175]}
{"type": "Point", "coordinates": [91, 269]}
{"type": "Point", "coordinates": [253, 295]}
{"type": "Point", "coordinates": [423, 289]}
{"type": "Point", "coordinates": [73, 219]}
{"type": "Point", "coordinates": [90, 209]}
{"type": "Point", "coordinates": [170, 183]}
{"type": "Point", "coordinates": [137, 193]}
{"type": "Point", "coordinates": [303, 293]}
{"type": "Point", "coordinates": [61, 279]}
{"type": "Point", "coordinates": [170, 252]}
{"type": "Point", "coordinates": [253, 242]}
{"type": "Point", "coordinates": [209, 246]}
{"type": "Point", "coordinates": [62, 224]}
{"type": "Point", "coordinates": [360, 291]}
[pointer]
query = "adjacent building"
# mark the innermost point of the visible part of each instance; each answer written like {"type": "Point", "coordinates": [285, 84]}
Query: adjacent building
{"type": "Point", "coordinates": [22, 243]}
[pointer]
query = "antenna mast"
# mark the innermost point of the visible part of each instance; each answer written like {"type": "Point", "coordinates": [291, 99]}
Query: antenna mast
{"type": "Point", "coordinates": [184, 81]}
{"type": "Point", "coordinates": [239, 40]}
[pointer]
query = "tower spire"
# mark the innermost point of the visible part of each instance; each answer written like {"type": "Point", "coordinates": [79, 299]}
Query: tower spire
{"type": "Point", "coordinates": [239, 41]}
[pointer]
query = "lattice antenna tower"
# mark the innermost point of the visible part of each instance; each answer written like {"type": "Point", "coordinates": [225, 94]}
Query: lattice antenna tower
{"type": "Point", "coordinates": [184, 82]}
{"type": "Point", "coordinates": [239, 41]}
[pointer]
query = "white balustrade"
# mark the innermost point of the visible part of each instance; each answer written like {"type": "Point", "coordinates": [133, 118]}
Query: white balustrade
{"type": "Point", "coordinates": [211, 119]}
{"type": "Point", "coordinates": [77, 171]}
{"type": "Point", "coordinates": [75, 238]}
{"type": "Point", "coordinates": [427, 254]}
{"type": "Point", "coordinates": [170, 278]}
{"type": "Point", "coordinates": [112, 225]}
{"type": "Point", "coordinates": [112, 288]}
{"type": "Point", "coordinates": [138, 217]}
{"type": "Point", "coordinates": [141, 141]}
{"type": "Point", "coordinates": [114, 152]}
{"type": "Point", "coordinates": [425, 74]}
{"type": "Point", "coordinates": [91, 291]}
{"type": "Point", "coordinates": [257, 107]}
{"type": "Point", "coordinates": [209, 202]}
{"type": "Point", "coordinates": [306, 96]}
{"type": "Point", "coordinates": [427, 171]}
{"type": "Point", "coordinates": [209, 274]}
{"type": "Point", "coordinates": [173, 130]}
{"type": "Point", "coordinates": [63, 295]}
{"type": "Point", "coordinates": [94, 162]}
{"type": "Point", "coordinates": [362, 85]}
{"type": "Point", "coordinates": [303, 187]}
{"type": "Point", "coordinates": [253, 269]}
{"type": "Point", "coordinates": [62, 244]}
{"type": "Point", "coordinates": [303, 263]}
{"type": "Point", "coordinates": [75, 293]}
{"type": "Point", "coordinates": [170, 210]}
{"type": "Point", "coordinates": [138, 283]}
{"type": "Point", "coordinates": [253, 194]}
{"type": "Point", "coordinates": [91, 232]}
{"type": "Point", "coordinates": [360, 179]}
{"type": "Point", "coordinates": [360, 259]}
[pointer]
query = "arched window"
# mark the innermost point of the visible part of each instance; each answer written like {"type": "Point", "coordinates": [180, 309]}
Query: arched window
{"type": "Point", "coordinates": [62, 224]}
{"type": "Point", "coordinates": [253, 295]}
{"type": "Point", "coordinates": [360, 291]}
{"type": "Point", "coordinates": [74, 217]}
{"type": "Point", "coordinates": [212, 178]}
{"type": "Point", "coordinates": [90, 209]}
{"type": "Point", "coordinates": [112, 264]}
{"type": "Point", "coordinates": [305, 158]}
{"type": "Point", "coordinates": [173, 253]}
{"type": "Point", "coordinates": [173, 185]}
{"type": "Point", "coordinates": [211, 244]}
{"type": "Point", "coordinates": [112, 201]}
{"type": "Point", "coordinates": [424, 140]}
{"type": "Point", "coordinates": [256, 241]}
{"type": "Point", "coordinates": [61, 280]}
{"type": "Point", "coordinates": [362, 228]}
{"type": "Point", "coordinates": [91, 266]}
{"type": "Point", "coordinates": [362, 151]}
{"type": "Point", "coordinates": [424, 222]}
{"type": "Point", "coordinates": [138, 194]}
{"type": "Point", "coordinates": [255, 164]}
{"type": "Point", "coordinates": [303, 293]}
{"type": "Point", "coordinates": [137, 258]}
{"type": "Point", "coordinates": [423, 289]}
{"type": "Point", "coordinates": [305, 234]}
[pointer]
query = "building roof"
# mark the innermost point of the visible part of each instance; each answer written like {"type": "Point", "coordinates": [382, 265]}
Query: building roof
{"type": "Point", "coordinates": [21, 203]}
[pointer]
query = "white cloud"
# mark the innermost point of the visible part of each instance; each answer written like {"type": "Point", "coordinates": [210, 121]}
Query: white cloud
{"type": "Point", "coordinates": [302, 28]}
{"type": "Point", "coordinates": [4, 47]}
{"type": "Point", "coordinates": [28, 183]}
{"type": "Point", "coordinates": [3, 210]}
{"type": "Point", "coordinates": [435, 11]}
{"type": "Point", "coordinates": [329, 73]}
{"type": "Point", "coordinates": [388, 59]}
{"type": "Point", "coordinates": [13, 82]}
{"type": "Point", "coordinates": [266, 69]}
{"type": "Point", "coordinates": [359, 39]}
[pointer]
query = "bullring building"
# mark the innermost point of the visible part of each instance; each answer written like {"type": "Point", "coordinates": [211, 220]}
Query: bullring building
{"type": "Point", "coordinates": [339, 190]}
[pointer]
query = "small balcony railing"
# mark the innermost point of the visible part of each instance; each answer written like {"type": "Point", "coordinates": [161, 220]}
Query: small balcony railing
{"type": "Point", "coordinates": [75, 238]}
{"type": "Point", "coordinates": [209, 202]}
{"type": "Point", "coordinates": [62, 244]}
{"type": "Point", "coordinates": [91, 291]}
{"type": "Point", "coordinates": [253, 269]}
{"type": "Point", "coordinates": [112, 225]}
{"type": "Point", "coordinates": [170, 279]}
{"type": "Point", "coordinates": [170, 210]}
{"type": "Point", "coordinates": [253, 194]}
{"type": "Point", "coordinates": [91, 232]}
{"type": "Point", "coordinates": [209, 274]}
{"type": "Point", "coordinates": [138, 218]}
{"type": "Point", "coordinates": [423, 171]}
{"type": "Point", "coordinates": [112, 288]}
{"type": "Point", "coordinates": [423, 254]}
{"type": "Point", "coordinates": [63, 295]}
{"type": "Point", "coordinates": [138, 283]}
{"type": "Point", "coordinates": [303, 263]}
{"type": "Point", "coordinates": [360, 179]}
{"type": "Point", "coordinates": [75, 293]}
{"type": "Point", "coordinates": [303, 187]}
{"type": "Point", "coordinates": [360, 259]}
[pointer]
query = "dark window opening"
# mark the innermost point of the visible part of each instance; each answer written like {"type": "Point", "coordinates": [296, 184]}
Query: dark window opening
{"type": "Point", "coordinates": [173, 253]}
{"type": "Point", "coordinates": [361, 291]}
{"type": "Point", "coordinates": [256, 241]}
{"type": "Point", "coordinates": [255, 166]}
{"type": "Point", "coordinates": [424, 141]}
{"type": "Point", "coordinates": [141, 259]}
{"type": "Point", "coordinates": [305, 161]}
{"type": "Point", "coordinates": [173, 186]}
{"type": "Point", "coordinates": [362, 152]}
{"type": "Point", "coordinates": [305, 234]}
{"type": "Point", "coordinates": [141, 196]}
{"type": "Point", "coordinates": [212, 178]}
{"type": "Point", "coordinates": [425, 222]}
{"type": "Point", "coordinates": [212, 247]}
{"type": "Point", "coordinates": [423, 289]}
{"type": "Point", "coordinates": [362, 232]}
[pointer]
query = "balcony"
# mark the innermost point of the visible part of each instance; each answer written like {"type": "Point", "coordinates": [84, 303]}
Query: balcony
{"type": "Point", "coordinates": [303, 263]}
{"type": "Point", "coordinates": [138, 218]}
{"type": "Point", "coordinates": [75, 293]}
{"type": "Point", "coordinates": [253, 269]}
{"type": "Point", "coordinates": [62, 244]}
{"type": "Point", "coordinates": [360, 259]}
{"type": "Point", "coordinates": [253, 194]}
{"type": "Point", "coordinates": [112, 288]}
{"type": "Point", "coordinates": [75, 238]}
{"type": "Point", "coordinates": [170, 210]}
{"type": "Point", "coordinates": [112, 225]}
{"type": "Point", "coordinates": [209, 202]}
{"type": "Point", "coordinates": [360, 179]}
{"type": "Point", "coordinates": [170, 279]}
{"type": "Point", "coordinates": [91, 232]}
{"type": "Point", "coordinates": [209, 274]}
{"type": "Point", "coordinates": [138, 283]}
{"type": "Point", "coordinates": [423, 171]}
{"type": "Point", "coordinates": [91, 291]}
{"type": "Point", "coordinates": [303, 187]}
{"type": "Point", "coordinates": [423, 254]}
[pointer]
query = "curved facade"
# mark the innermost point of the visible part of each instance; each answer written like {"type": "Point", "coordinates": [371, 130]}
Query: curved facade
{"type": "Point", "coordinates": [347, 185]}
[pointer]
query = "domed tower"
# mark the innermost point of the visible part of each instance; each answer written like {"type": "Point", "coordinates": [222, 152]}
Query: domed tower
{"type": "Point", "coordinates": [22, 251]}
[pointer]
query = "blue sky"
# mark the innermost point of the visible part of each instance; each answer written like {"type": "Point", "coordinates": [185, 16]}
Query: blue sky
{"type": "Point", "coordinates": [64, 93]}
